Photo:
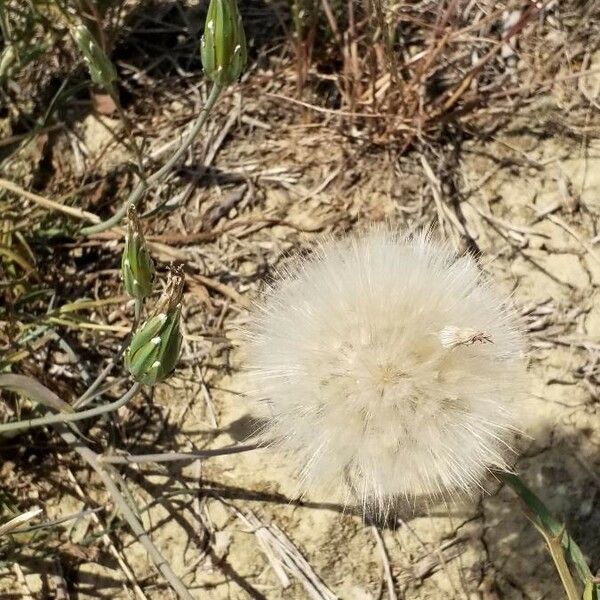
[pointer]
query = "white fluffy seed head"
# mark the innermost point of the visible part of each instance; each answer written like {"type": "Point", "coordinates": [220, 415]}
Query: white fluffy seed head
{"type": "Point", "coordinates": [386, 365]}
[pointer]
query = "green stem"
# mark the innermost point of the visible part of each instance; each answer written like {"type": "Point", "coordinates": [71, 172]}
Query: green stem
{"type": "Point", "coordinates": [144, 185]}
{"type": "Point", "coordinates": [559, 542]}
{"type": "Point", "coordinates": [558, 556]}
{"type": "Point", "coordinates": [68, 417]}
{"type": "Point", "coordinates": [175, 456]}
{"type": "Point", "coordinates": [88, 395]}
{"type": "Point", "coordinates": [137, 313]}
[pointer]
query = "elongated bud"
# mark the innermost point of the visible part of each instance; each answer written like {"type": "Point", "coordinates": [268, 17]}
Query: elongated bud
{"type": "Point", "coordinates": [137, 267]}
{"type": "Point", "coordinates": [101, 69]}
{"type": "Point", "coordinates": [154, 350]}
{"type": "Point", "coordinates": [223, 46]}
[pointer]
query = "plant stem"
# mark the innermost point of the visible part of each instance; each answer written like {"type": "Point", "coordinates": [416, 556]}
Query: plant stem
{"type": "Point", "coordinates": [175, 456]}
{"type": "Point", "coordinates": [87, 396]}
{"type": "Point", "coordinates": [558, 556]}
{"type": "Point", "coordinates": [138, 529]}
{"type": "Point", "coordinates": [69, 417]}
{"type": "Point", "coordinates": [554, 532]}
{"type": "Point", "coordinates": [41, 394]}
{"type": "Point", "coordinates": [144, 185]}
{"type": "Point", "coordinates": [137, 312]}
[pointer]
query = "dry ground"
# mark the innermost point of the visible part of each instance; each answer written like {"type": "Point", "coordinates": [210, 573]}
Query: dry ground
{"type": "Point", "coordinates": [271, 177]}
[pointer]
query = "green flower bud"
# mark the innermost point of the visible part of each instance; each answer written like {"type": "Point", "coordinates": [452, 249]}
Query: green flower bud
{"type": "Point", "coordinates": [223, 46]}
{"type": "Point", "coordinates": [154, 349]}
{"type": "Point", "coordinates": [137, 267]}
{"type": "Point", "coordinates": [101, 69]}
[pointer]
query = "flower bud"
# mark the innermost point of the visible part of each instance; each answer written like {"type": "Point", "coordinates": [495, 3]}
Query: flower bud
{"type": "Point", "coordinates": [154, 350]}
{"type": "Point", "coordinates": [223, 46]}
{"type": "Point", "coordinates": [137, 267]}
{"type": "Point", "coordinates": [102, 71]}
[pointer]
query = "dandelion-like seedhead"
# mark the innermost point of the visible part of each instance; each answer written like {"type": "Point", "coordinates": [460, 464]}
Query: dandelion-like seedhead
{"type": "Point", "coordinates": [387, 365]}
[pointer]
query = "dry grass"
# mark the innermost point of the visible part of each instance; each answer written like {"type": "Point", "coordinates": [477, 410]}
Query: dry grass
{"type": "Point", "coordinates": [366, 112]}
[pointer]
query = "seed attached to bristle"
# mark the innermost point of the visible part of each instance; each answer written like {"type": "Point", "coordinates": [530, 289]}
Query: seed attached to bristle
{"type": "Point", "coordinates": [451, 337]}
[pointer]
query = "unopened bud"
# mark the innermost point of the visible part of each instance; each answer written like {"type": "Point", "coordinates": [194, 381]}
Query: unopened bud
{"type": "Point", "coordinates": [137, 267]}
{"type": "Point", "coordinates": [154, 350]}
{"type": "Point", "coordinates": [101, 69]}
{"type": "Point", "coordinates": [223, 46]}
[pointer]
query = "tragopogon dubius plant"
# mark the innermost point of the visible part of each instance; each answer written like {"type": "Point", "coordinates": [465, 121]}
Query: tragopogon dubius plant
{"type": "Point", "coordinates": [388, 367]}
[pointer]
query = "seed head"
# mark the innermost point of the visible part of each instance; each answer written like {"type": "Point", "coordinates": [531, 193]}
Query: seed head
{"type": "Point", "coordinates": [386, 365]}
